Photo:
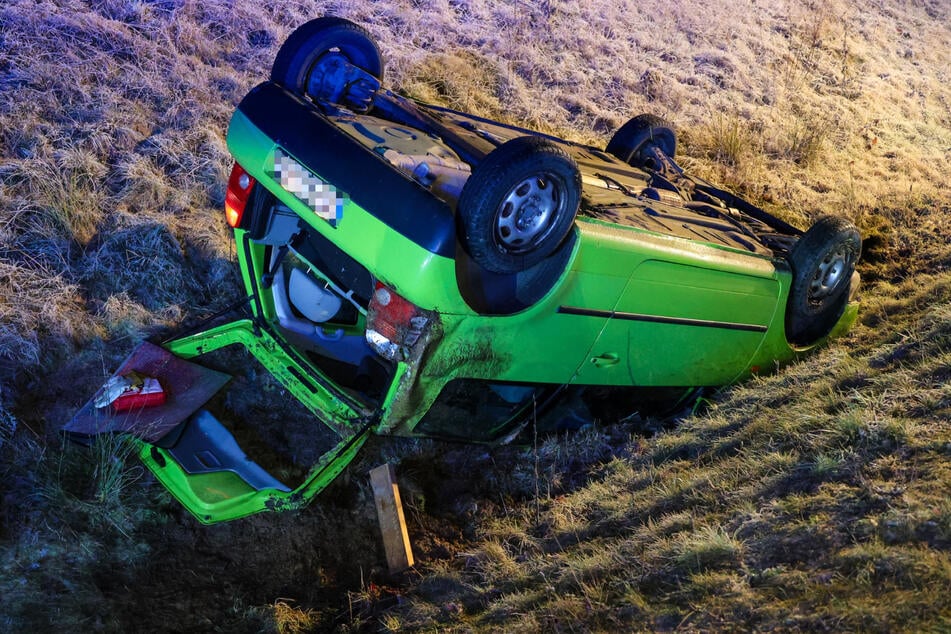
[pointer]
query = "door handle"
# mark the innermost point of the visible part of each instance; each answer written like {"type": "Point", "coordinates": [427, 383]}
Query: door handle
{"type": "Point", "coordinates": [606, 360]}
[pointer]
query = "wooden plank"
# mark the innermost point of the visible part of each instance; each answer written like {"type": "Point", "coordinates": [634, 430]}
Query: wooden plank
{"type": "Point", "coordinates": [389, 512]}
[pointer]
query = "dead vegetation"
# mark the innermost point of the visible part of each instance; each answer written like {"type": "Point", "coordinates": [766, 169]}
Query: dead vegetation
{"type": "Point", "coordinates": [813, 499]}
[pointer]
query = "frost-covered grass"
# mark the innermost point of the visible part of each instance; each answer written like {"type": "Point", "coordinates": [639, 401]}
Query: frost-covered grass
{"type": "Point", "coordinates": [816, 498]}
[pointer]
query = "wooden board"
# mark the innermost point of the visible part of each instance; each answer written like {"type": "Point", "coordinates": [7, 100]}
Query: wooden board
{"type": "Point", "coordinates": [389, 511]}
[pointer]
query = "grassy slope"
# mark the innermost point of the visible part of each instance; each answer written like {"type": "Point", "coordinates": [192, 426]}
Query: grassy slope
{"type": "Point", "coordinates": [816, 498]}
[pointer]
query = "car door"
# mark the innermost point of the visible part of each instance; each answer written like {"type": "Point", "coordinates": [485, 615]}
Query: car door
{"type": "Point", "coordinates": [683, 323]}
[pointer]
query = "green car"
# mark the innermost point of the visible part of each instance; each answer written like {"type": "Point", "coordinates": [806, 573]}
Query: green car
{"type": "Point", "coordinates": [415, 270]}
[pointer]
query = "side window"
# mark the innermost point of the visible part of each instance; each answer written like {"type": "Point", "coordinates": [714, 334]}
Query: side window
{"type": "Point", "coordinates": [480, 411]}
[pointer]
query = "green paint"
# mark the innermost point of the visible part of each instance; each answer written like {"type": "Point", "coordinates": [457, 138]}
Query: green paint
{"type": "Point", "coordinates": [632, 308]}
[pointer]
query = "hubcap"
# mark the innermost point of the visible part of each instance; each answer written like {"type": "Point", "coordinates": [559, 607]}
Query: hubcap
{"type": "Point", "coordinates": [830, 273]}
{"type": "Point", "coordinates": [527, 213]}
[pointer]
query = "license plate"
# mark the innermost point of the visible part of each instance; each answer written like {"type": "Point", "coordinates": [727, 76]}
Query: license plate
{"type": "Point", "coordinates": [319, 195]}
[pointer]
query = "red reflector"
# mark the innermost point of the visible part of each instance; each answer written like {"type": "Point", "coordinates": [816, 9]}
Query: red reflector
{"type": "Point", "coordinates": [236, 198]}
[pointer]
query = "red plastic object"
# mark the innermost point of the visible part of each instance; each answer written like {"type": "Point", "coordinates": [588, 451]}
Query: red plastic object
{"type": "Point", "coordinates": [149, 395]}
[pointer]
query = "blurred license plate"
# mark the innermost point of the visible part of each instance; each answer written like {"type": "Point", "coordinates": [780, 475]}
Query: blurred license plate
{"type": "Point", "coordinates": [310, 189]}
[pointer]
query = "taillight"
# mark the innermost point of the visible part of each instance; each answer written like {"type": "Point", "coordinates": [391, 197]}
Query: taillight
{"type": "Point", "coordinates": [394, 325]}
{"type": "Point", "coordinates": [236, 198]}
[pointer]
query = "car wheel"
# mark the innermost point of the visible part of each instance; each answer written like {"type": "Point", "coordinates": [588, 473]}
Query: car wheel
{"type": "Point", "coordinates": [633, 138]}
{"type": "Point", "coordinates": [823, 262]}
{"type": "Point", "coordinates": [318, 43]}
{"type": "Point", "coordinates": [519, 204]}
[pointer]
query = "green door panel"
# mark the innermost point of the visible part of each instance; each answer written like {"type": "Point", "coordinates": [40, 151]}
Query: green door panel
{"type": "Point", "coordinates": [682, 324]}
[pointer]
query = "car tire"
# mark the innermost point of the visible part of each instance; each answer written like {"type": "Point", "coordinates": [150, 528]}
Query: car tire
{"type": "Point", "coordinates": [637, 135]}
{"type": "Point", "coordinates": [823, 262]}
{"type": "Point", "coordinates": [519, 204]}
{"type": "Point", "coordinates": [302, 49]}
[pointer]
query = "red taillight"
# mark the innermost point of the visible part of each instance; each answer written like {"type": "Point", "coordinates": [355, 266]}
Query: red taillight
{"type": "Point", "coordinates": [394, 325]}
{"type": "Point", "coordinates": [236, 198]}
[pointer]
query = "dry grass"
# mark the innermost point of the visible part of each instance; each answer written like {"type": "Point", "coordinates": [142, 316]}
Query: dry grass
{"type": "Point", "coordinates": [813, 499]}
{"type": "Point", "coordinates": [800, 501]}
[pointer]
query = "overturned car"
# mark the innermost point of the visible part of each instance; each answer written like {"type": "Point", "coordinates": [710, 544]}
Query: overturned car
{"type": "Point", "coordinates": [415, 270]}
